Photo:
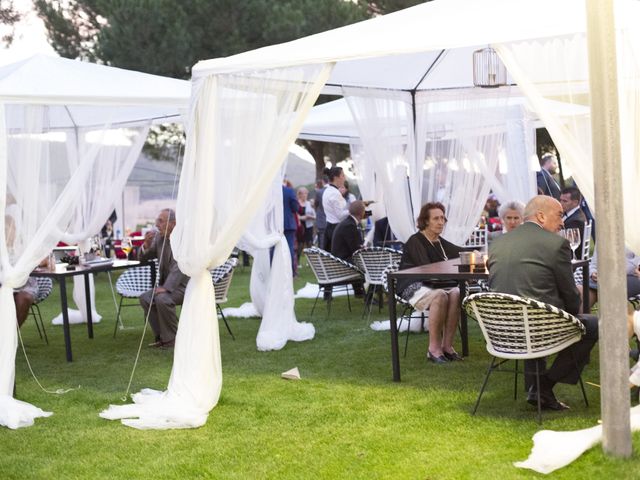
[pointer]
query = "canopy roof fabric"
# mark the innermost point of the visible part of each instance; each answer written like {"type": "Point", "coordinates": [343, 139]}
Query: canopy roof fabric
{"type": "Point", "coordinates": [419, 48]}
{"type": "Point", "coordinates": [82, 86]}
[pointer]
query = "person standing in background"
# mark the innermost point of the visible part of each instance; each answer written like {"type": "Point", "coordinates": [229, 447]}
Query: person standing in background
{"type": "Point", "coordinates": [547, 185]}
{"type": "Point", "coordinates": [335, 206]}
{"type": "Point", "coordinates": [321, 219]}
{"type": "Point", "coordinates": [290, 211]}
{"type": "Point", "coordinates": [307, 216]}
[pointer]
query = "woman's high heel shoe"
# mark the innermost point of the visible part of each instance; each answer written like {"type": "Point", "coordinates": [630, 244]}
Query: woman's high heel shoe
{"type": "Point", "coordinates": [439, 360]}
{"type": "Point", "coordinates": [453, 356]}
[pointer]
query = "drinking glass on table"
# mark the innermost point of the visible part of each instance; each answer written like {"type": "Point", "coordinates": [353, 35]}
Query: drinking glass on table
{"type": "Point", "coordinates": [573, 236]}
{"type": "Point", "coordinates": [126, 246]}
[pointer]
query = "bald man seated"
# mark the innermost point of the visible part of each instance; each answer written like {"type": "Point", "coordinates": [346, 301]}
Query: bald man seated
{"type": "Point", "coordinates": [534, 261]}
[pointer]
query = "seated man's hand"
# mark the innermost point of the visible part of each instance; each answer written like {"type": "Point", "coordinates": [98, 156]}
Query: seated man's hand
{"type": "Point", "coordinates": [161, 290]}
{"type": "Point", "coordinates": [148, 238]}
{"type": "Point", "coordinates": [594, 276]}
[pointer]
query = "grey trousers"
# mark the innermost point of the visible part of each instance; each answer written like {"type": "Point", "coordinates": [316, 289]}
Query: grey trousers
{"type": "Point", "coordinates": [162, 313]}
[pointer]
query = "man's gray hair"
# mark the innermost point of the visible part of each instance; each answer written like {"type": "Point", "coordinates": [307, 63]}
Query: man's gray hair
{"type": "Point", "coordinates": [171, 214]}
{"type": "Point", "coordinates": [512, 205]}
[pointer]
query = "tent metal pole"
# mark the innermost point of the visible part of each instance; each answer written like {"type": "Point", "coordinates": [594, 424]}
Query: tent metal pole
{"type": "Point", "coordinates": [605, 135]}
{"type": "Point", "coordinates": [415, 148]}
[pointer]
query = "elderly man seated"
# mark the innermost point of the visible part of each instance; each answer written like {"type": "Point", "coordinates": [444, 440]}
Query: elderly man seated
{"type": "Point", "coordinates": [533, 261]}
{"type": "Point", "coordinates": [160, 303]}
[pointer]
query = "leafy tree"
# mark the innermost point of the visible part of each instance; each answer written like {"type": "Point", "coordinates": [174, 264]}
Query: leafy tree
{"type": "Point", "coordinates": [167, 37]}
{"type": "Point", "coordinates": [388, 6]}
{"type": "Point", "coordinates": [9, 16]}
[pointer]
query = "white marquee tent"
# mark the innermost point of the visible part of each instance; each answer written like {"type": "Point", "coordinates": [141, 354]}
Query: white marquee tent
{"type": "Point", "coordinates": [70, 134]}
{"type": "Point", "coordinates": [384, 67]}
{"type": "Point", "coordinates": [100, 115]}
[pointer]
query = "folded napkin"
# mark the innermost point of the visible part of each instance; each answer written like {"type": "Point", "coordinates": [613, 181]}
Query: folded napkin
{"type": "Point", "coordinates": [293, 374]}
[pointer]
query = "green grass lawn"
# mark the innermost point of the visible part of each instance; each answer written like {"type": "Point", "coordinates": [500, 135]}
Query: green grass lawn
{"type": "Point", "coordinates": [344, 419]}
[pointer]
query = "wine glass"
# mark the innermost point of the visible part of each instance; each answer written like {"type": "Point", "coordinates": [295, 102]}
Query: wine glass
{"type": "Point", "coordinates": [126, 246]}
{"type": "Point", "coordinates": [573, 236]}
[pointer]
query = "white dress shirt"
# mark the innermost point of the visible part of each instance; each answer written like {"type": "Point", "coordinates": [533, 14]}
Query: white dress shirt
{"type": "Point", "coordinates": [334, 204]}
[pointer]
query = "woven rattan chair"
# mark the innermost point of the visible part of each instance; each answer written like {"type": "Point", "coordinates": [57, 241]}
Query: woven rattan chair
{"type": "Point", "coordinates": [221, 277]}
{"type": "Point", "coordinates": [330, 271]}
{"type": "Point", "coordinates": [130, 285]}
{"type": "Point", "coordinates": [408, 311]}
{"type": "Point", "coordinates": [372, 261]}
{"type": "Point", "coordinates": [45, 286]}
{"type": "Point", "coordinates": [518, 328]}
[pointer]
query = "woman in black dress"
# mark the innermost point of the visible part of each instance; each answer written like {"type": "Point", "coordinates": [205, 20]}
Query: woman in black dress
{"type": "Point", "coordinates": [442, 299]}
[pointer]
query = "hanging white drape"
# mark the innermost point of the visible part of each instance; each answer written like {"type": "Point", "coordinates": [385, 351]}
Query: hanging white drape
{"type": "Point", "coordinates": [114, 151]}
{"type": "Point", "coordinates": [383, 120]}
{"type": "Point", "coordinates": [365, 174]}
{"type": "Point", "coordinates": [240, 128]}
{"type": "Point", "coordinates": [554, 76]}
{"type": "Point", "coordinates": [464, 143]}
{"type": "Point", "coordinates": [272, 278]}
{"type": "Point", "coordinates": [40, 193]}
{"type": "Point", "coordinates": [472, 142]}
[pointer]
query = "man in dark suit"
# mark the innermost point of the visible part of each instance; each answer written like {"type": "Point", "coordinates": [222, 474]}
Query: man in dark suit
{"type": "Point", "coordinates": [347, 238]}
{"type": "Point", "coordinates": [574, 217]}
{"type": "Point", "coordinates": [533, 261]}
{"type": "Point", "coordinates": [290, 208]}
{"type": "Point", "coordinates": [547, 185]}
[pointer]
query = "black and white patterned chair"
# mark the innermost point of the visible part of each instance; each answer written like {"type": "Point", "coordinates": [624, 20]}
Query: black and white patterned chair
{"type": "Point", "coordinates": [519, 328]}
{"type": "Point", "coordinates": [372, 261]}
{"type": "Point", "coordinates": [330, 271]}
{"type": "Point", "coordinates": [45, 286]}
{"type": "Point", "coordinates": [132, 283]}
{"type": "Point", "coordinates": [221, 277]}
{"type": "Point", "coordinates": [408, 312]}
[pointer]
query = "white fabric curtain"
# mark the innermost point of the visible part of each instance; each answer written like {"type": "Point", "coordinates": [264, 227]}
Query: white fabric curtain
{"type": "Point", "coordinates": [41, 198]}
{"type": "Point", "coordinates": [472, 141]}
{"type": "Point", "coordinates": [365, 174]}
{"type": "Point", "coordinates": [554, 75]}
{"type": "Point", "coordinates": [240, 128]}
{"type": "Point", "coordinates": [272, 279]}
{"type": "Point", "coordinates": [383, 119]}
{"type": "Point", "coordinates": [464, 143]}
{"type": "Point", "coordinates": [114, 151]}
